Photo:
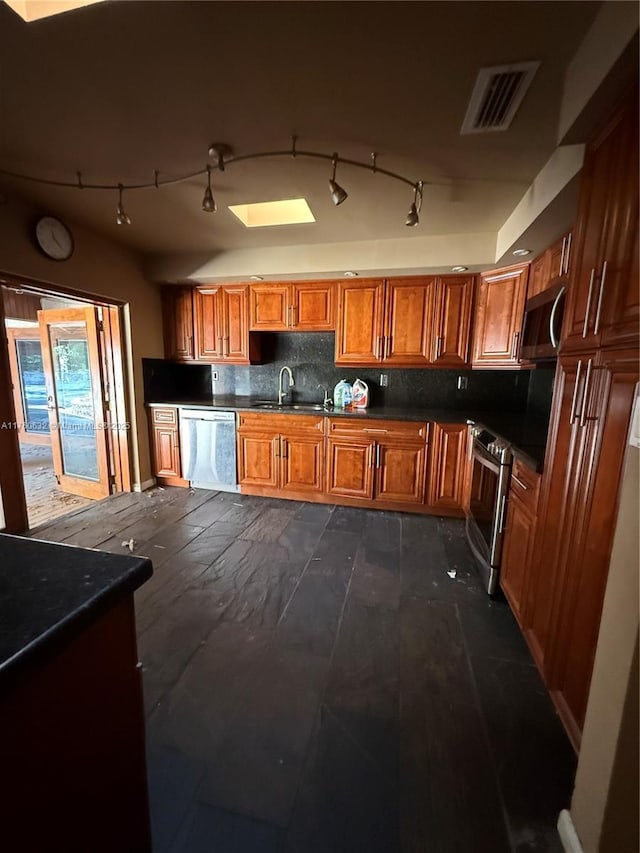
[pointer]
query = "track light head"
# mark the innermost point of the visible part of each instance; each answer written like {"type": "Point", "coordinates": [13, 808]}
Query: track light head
{"type": "Point", "coordinates": [338, 194]}
{"type": "Point", "coordinates": [122, 217]}
{"type": "Point", "coordinates": [413, 217]}
{"type": "Point", "coordinates": [208, 201]}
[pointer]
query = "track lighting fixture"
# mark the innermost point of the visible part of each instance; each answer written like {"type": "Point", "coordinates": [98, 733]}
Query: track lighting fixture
{"type": "Point", "coordinates": [338, 195]}
{"type": "Point", "coordinates": [122, 217]}
{"type": "Point", "coordinates": [208, 201]}
{"type": "Point", "coordinates": [416, 205]}
{"type": "Point", "coordinates": [224, 156]}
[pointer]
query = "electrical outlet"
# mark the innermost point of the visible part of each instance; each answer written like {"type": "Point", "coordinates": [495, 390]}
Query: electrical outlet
{"type": "Point", "coordinates": [462, 383]}
{"type": "Point", "coordinates": [214, 375]}
{"type": "Point", "coordinates": [384, 380]}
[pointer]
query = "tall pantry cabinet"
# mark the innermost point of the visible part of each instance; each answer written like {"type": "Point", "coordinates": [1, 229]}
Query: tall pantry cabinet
{"type": "Point", "coordinates": [594, 396]}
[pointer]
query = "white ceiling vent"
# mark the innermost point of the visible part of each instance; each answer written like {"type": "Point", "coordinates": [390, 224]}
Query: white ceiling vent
{"type": "Point", "coordinates": [496, 96]}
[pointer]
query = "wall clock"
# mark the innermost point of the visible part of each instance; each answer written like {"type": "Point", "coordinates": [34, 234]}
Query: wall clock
{"type": "Point", "coordinates": [54, 238]}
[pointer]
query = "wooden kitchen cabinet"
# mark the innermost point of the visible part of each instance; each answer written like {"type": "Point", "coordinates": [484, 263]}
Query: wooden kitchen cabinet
{"type": "Point", "coordinates": [401, 472]}
{"type": "Point", "coordinates": [551, 266]}
{"type": "Point", "coordinates": [222, 325]}
{"type": "Point", "coordinates": [519, 535]}
{"type": "Point", "coordinates": [165, 446]}
{"type": "Point", "coordinates": [499, 317]}
{"type": "Point", "coordinates": [350, 467]}
{"type": "Point", "coordinates": [177, 315]}
{"type": "Point", "coordinates": [602, 301]}
{"type": "Point", "coordinates": [306, 306]}
{"type": "Point", "coordinates": [416, 321]}
{"type": "Point", "coordinates": [592, 408]}
{"type": "Point", "coordinates": [448, 468]}
{"type": "Point", "coordinates": [281, 454]}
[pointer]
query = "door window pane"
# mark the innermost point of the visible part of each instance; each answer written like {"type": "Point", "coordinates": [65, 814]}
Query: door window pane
{"type": "Point", "coordinates": [33, 389]}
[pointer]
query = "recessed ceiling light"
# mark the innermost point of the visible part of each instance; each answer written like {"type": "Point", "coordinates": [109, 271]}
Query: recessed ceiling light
{"type": "Point", "coordinates": [256, 277]}
{"type": "Point", "coordinates": [350, 274]}
{"type": "Point", "coordinates": [33, 10]}
{"type": "Point", "coordinates": [520, 253]}
{"type": "Point", "coordinates": [290, 211]}
{"type": "Point", "coordinates": [459, 269]}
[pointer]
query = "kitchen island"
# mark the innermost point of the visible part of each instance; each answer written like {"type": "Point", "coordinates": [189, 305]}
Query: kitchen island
{"type": "Point", "coordinates": [71, 709]}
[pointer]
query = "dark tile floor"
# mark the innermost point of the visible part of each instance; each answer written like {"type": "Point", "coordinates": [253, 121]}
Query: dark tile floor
{"type": "Point", "coordinates": [323, 679]}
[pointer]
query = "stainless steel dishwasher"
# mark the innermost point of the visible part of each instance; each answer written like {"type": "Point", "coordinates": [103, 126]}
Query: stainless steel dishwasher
{"type": "Point", "coordinates": [208, 449]}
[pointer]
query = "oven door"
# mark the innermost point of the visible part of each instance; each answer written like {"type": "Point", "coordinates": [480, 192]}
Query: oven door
{"type": "Point", "coordinates": [487, 507]}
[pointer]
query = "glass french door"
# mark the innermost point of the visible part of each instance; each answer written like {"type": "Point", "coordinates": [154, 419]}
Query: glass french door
{"type": "Point", "coordinates": [75, 400]}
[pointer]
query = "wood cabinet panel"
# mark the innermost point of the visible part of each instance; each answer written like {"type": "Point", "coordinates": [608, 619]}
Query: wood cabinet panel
{"type": "Point", "coordinates": [448, 462]}
{"type": "Point", "coordinates": [538, 274]}
{"type": "Point", "coordinates": [209, 325]}
{"type": "Point", "coordinates": [350, 467]}
{"type": "Point", "coordinates": [313, 307]}
{"type": "Point", "coordinates": [359, 333]}
{"type": "Point", "coordinates": [452, 323]}
{"type": "Point", "coordinates": [258, 456]}
{"type": "Point", "coordinates": [401, 472]}
{"type": "Point", "coordinates": [236, 329]}
{"type": "Point", "coordinates": [166, 454]}
{"type": "Point", "coordinates": [499, 317]}
{"type": "Point", "coordinates": [270, 307]}
{"type": "Point", "coordinates": [517, 551]}
{"type": "Point", "coordinates": [302, 463]}
{"type": "Point", "coordinates": [177, 314]}
{"type": "Point", "coordinates": [408, 320]}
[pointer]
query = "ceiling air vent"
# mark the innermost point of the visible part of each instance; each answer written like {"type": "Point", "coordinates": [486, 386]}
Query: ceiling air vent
{"type": "Point", "coordinates": [496, 96]}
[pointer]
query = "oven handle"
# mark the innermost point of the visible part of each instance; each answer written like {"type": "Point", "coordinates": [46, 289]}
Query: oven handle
{"type": "Point", "coordinates": [503, 507]}
{"type": "Point", "coordinates": [480, 455]}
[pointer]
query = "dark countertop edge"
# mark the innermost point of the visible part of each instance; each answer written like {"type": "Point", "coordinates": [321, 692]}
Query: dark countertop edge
{"type": "Point", "coordinates": [42, 647]}
{"type": "Point", "coordinates": [532, 456]}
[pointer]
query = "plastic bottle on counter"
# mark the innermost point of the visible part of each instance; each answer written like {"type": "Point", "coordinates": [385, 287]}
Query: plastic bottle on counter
{"type": "Point", "coordinates": [360, 394]}
{"type": "Point", "coordinates": [342, 395]}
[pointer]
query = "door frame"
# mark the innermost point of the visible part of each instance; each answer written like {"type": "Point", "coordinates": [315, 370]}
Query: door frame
{"type": "Point", "coordinates": [117, 369]}
{"type": "Point", "coordinates": [28, 333]}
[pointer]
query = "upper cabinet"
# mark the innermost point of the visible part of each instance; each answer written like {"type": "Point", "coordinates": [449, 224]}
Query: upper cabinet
{"type": "Point", "coordinates": [551, 265]}
{"type": "Point", "coordinates": [306, 306]}
{"type": "Point", "coordinates": [602, 302]}
{"type": "Point", "coordinates": [415, 321]}
{"type": "Point", "coordinates": [209, 324]}
{"type": "Point", "coordinates": [499, 316]}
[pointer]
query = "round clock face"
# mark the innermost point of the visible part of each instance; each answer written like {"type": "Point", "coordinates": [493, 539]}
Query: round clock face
{"type": "Point", "coordinates": [54, 238]}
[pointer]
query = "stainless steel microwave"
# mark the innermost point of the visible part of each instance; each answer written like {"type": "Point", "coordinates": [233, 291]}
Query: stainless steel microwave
{"type": "Point", "coordinates": [542, 323]}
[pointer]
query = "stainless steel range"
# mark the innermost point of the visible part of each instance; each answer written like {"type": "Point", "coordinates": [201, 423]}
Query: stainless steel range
{"type": "Point", "coordinates": [491, 460]}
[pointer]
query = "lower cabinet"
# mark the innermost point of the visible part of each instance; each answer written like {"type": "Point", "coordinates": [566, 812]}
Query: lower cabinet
{"type": "Point", "coordinates": [520, 529]}
{"type": "Point", "coordinates": [449, 464]}
{"type": "Point", "coordinates": [281, 453]}
{"type": "Point", "coordinates": [165, 446]}
{"type": "Point", "coordinates": [350, 467]}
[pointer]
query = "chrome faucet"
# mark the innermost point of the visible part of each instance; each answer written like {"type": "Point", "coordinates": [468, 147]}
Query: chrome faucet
{"type": "Point", "coordinates": [327, 402]}
{"type": "Point", "coordinates": [281, 392]}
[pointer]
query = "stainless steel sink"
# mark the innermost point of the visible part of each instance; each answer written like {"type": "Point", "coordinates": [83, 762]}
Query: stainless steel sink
{"type": "Point", "coordinates": [303, 407]}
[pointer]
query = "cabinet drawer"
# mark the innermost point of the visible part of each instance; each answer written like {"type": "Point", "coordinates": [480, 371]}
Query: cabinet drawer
{"type": "Point", "coordinates": [165, 416]}
{"type": "Point", "coordinates": [525, 482]}
{"type": "Point", "coordinates": [277, 423]}
{"type": "Point", "coordinates": [375, 429]}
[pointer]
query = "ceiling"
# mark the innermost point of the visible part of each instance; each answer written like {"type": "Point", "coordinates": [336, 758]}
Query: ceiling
{"type": "Point", "coordinates": [120, 89]}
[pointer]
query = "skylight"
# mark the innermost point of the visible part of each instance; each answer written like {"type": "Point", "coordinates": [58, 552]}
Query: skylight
{"type": "Point", "coordinates": [33, 10]}
{"type": "Point", "coordinates": [290, 211]}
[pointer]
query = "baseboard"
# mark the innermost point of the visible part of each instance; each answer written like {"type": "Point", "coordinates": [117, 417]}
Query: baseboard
{"type": "Point", "coordinates": [568, 834]}
{"type": "Point", "coordinates": [142, 487]}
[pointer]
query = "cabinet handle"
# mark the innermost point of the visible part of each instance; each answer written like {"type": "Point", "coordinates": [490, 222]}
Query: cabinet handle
{"type": "Point", "coordinates": [587, 311]}
{"type": "Point", "coordinates": [566, 256]}
{"type": "Point", "coordinates": [371, 451]}
{"type": "Point", "coordinates": [221, 347]}
{"type": "Point", "coordinates": [516, 341]}
{"type": "Point", "coordinates": [190, 350]}
{"type": "Point", "coordinates": [603, 278]}
{"type": "Point", "coordinates": [378, 455]}
{"type": "Point", "coordinates": [293, 316]}
{"type": "Point", "coordinates": [372, 429]}
{"type": "Point", "coordinates": [585, 394]}
{"type": "Point", "coordinates": [276, 445]}
{"type": "Point", "coordinates": [572, 414]}
{"type": "Point", "coordinates": [564, 245]}
{"type": "Point", "coordinates": [387, 349]}
{"type": "Point", "coordinates": [284, 451]}
{"type": "Point", "coordinates": [380, 347]}
{"type": "Point", "coordinates": [503, 506]}
{"type": "Point", "coordinates": [519, 482]}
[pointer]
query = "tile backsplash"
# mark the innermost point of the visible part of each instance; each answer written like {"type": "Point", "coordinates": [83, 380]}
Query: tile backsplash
{"type": "Point", "coordinates": [310, 357]}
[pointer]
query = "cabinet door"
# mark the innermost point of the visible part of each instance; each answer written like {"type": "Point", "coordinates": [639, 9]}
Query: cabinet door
{"type": "Point", "coordinates": [499, 317]}
{"type": "Point", "coordinates": [302, 463]}
{"type": "Point", "coordinates": [258, 458]}
{"type": "Point", "coordinates": [209, 324]}
{"type": "Point", "coordinates": [517, 552]}
{"type": "Point", "coordinates": [177, 314]}
{"type": "Point", "coordinates": [359, 332]}
{"type": "Point", "coordinates": [166, 451]}
{"type": "Point", "coordinates": [538, 274]}
{"type": "Point", "coordinates": [454, 298]}
{"type": "Point", "coordinates": [350, 467]}
{"type": "Point", "coordinates": [312, 308]}
{"type": "Point", "coordinates": [604, 419]}
{"type": "Point", "coordinates": [556, 256]}
{"type": "Point", "coordinates": [606, 228]}
{"type": "Point", "coordinates": [235, 339]}
{"type": "Point", "coordinates": [400, 472]}
{"type": "Point", "coordinates": [270, 307]}
{"type": "Point", "coordinates": [447, 475]}
{"type": "Point", "coordinates": [409, 312]}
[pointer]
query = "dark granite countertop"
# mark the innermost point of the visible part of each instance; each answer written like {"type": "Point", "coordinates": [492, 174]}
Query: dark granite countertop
{"type": "Point", "coordinates": [50, 591]}
{"type": "Point", "coordinates": [527, 436]}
